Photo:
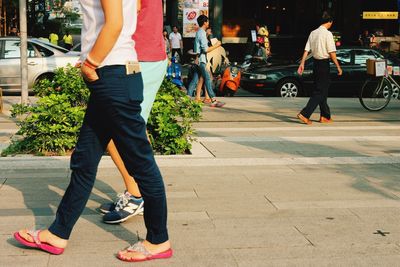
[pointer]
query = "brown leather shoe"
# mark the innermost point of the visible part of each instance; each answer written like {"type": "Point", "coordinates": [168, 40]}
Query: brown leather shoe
{"type": "Point", "coordinates": [325, 120]}
{"type": "Point", "coordinates": [304, 119]}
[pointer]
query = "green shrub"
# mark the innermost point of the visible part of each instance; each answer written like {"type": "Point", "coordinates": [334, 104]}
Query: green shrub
{"type": "Point", "coordinates": [170, 122]}
{"type": "Point", "coordinates": [51, 126]}
{"type": "Point", "coordinates": [19, 109]}
{"type": "Point", "coordinates": [66, 81]}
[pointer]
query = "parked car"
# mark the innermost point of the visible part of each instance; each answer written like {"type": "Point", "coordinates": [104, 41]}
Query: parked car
{"type": "Point", "coordinates": [43, 59]}
{"type": "Point", "coordinates": [283, 80]}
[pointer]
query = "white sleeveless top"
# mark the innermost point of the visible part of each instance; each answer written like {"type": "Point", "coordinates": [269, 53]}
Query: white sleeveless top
{"type": "Point", "coordinates": [93, 21]}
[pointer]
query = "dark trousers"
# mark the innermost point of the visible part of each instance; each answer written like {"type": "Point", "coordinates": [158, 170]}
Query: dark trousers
{"type": "Point", "coordinates": [179, 51]}
{"type": "Point", "coordinates": [319, 96]}
{"type": "Point", "coordinates": [113, 112]}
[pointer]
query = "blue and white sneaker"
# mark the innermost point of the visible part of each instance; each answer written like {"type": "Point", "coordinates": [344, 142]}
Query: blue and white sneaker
{"type": "Point", "coordinates": [110, 206]}
{"type": "Point", "coordinates": [126, 207]}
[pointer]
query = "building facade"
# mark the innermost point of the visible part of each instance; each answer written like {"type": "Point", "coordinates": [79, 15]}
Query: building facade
{"type": "Point", "coordinates": [235, 18]}
{"type": "Point", "coordinates": [289, 21]}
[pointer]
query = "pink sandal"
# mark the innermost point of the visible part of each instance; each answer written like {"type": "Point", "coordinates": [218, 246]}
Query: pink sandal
{"type": "Point", "coordinates": [37, 243]}
{"type": "Point", "coordinates": [139, 247]}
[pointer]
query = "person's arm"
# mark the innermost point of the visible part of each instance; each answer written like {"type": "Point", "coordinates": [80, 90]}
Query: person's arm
{"type": "Point", "coordinates": [170, 40]}
{"type": "Point", "coordinates": [204, 44]}
{"type": "Point", "coordinates": [181, 41]}
{"type": "Point", "coordinates": [332, 53]}
{"type": "Point", "coordinates": [300, 70]}
{"type": "Point", "coordinates": [336, 62]}
{"type": "Point", "coordinates": [307, 49]}
{"type": "Point", "coordinates": [108, 36]}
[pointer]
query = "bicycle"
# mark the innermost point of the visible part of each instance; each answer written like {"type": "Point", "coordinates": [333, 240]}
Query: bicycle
{"type": "Point", "coordinates": [377, 92]}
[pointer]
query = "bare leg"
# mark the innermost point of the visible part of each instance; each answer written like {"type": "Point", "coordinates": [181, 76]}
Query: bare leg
{"type": "Point", "coordinates": [129, 181]}
{"type": "Point", "coordinates": [199, 87]}
{"type": "Point", "coordinates": [206, 95]}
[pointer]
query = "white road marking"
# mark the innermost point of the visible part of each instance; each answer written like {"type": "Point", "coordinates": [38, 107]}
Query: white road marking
{"type": "Point", "coordinates": [299, 128]}
{"type": "Point", "coordinates": [386, 138]}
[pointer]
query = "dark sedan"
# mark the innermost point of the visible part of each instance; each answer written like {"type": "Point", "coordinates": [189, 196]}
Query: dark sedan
{"type": "Point", "coordinates": [283, 80]}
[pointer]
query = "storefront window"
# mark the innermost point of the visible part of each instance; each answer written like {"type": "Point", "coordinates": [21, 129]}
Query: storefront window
{"type": "Point", "coordinates": [280, 16]}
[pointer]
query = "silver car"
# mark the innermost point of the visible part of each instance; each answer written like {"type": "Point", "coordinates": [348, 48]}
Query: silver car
{"type": "Point", "coordinates": [43, 59]}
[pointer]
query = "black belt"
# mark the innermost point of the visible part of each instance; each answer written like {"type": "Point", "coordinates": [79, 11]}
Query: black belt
{"type": "Point", "coordinates": [324, 59]}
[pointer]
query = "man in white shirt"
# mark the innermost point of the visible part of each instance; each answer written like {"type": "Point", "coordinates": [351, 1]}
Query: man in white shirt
{"type": "Point", "coordinates": [322, 47]}
{"type": "Point", "coordinates": [175, 38]}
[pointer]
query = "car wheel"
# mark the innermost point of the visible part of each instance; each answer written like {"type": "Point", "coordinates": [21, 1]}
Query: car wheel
{"type": "Point", "coordinates": [288, 88]}
{"type": "Point", "coordinates": [395, 91]}
{"type": "Point", "coordinates": [46, 76]}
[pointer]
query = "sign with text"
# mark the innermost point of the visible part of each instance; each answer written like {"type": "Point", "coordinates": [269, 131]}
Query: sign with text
{"type": "Point", "coordinates": [192, 9]}
{"type": "Point", "coordinates": [381, 15]}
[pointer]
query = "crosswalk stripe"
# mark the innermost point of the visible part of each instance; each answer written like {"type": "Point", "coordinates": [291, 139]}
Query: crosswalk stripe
{"type": "Point", "coordinates": [8, 131]}
{"type": "Point", "coordinates": [286, 161]}
{"type": "Point", "coordinates": [300, 128]}
{"type": "Point", "coordinates": [388, 138]}
{"type": "Point", "coordinates": [106, 162]}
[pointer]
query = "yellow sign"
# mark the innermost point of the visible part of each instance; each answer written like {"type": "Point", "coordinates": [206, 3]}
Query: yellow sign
{"type": "Point", "coordinates": [381, 15]}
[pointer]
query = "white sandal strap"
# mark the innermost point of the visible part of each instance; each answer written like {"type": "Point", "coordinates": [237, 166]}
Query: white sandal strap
{"type": "Point", "coordinates": [35, 236]}
{"type": "Point", "coordinates": [139, 247]}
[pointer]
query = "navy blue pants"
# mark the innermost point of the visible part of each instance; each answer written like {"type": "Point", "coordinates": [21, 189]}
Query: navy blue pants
{"type": "Point", "coordinates": [113, 112]}
{"type": "Point", "coordinates": [319, 96]}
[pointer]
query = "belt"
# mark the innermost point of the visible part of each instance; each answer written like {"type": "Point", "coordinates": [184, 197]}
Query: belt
{"type": "Point", "coordinates": [323, 59]}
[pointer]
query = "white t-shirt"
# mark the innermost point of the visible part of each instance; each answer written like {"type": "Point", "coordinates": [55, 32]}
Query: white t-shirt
{"type": "Point", "coordinates": [320, 43]}
{"type": "Point", "coordinates": [93, 21]}
{"type": "Point", "coordinates": [175, 40]}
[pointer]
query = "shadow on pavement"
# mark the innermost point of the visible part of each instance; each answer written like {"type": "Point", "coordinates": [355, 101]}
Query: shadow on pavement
{"type": "Point", "coordinates": [43, 194]}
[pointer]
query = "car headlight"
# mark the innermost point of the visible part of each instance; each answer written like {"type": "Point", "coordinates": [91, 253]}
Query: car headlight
{"type": "Point", "coordinates": [234, 70]}
{"type": "Point", "coordinates": [258, 76]}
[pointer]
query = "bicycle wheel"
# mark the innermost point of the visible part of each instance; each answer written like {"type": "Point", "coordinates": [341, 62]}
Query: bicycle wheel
{"type": "Point", "coordinates": [375, 94]}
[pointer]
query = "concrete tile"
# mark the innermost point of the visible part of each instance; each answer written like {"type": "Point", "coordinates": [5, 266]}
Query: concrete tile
{"type": "Point", "coordinates": [217, 207]}
{"type": "Point", "coordinates": [292, 192]}
{"type": "Point", "coordinates": [206, 178]}
{"type": "Point", "coordinates": [39, 259]}
{"type": "Point", "coordinates": [370, 203]}
{"type": "Point", "coordinates": [378, 215]}
{"type": "Point", "coordinates": [271, 253]}
{"type": "Point", "coordinates": [267, 221]}
{"type": "Point", "coordinates": [350, 261]}
{"type": "Point", "coordinates": [347, 233]}
{"type": "Point", "coordinates": [199, 257]}
{"type": "Point", "coordinates": [188, 216]}
{"type": "Point", "coordinates": [10, 247]}
{"type": "Point", "coordinates": [238, 238]}
{"type": "Point", "coordinates": [107, 258]}
{"type": "Point", "coordinates": [203, 257]}
{"type": "Point", "coordinates": [40, 172]}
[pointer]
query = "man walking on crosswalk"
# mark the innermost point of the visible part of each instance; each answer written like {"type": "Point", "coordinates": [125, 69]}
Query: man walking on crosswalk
{"type": "Point", "coordinates": [322, 47]}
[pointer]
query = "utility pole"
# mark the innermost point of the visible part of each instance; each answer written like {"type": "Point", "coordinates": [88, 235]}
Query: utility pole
{"type": "Point", "coordinates": [24, 49]}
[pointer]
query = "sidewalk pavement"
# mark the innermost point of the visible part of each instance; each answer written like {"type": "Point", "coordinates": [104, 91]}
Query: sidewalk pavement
{"type": "Point", "coordinates": [260, 189]}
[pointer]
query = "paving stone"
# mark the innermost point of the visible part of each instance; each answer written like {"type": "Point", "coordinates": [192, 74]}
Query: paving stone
{"type": "Point", "coordinates": [237, 238]}
{"type": "Point", "coordinates": [372, 203]}
{"type": "Point", "coordinates": [332, 254]}
{"type": "Point", "coordinates": [378, 215]}
{"type": "Point", "coordinates": [39, 259]}
{"type": "Point", "coordinates": [347, 232]}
